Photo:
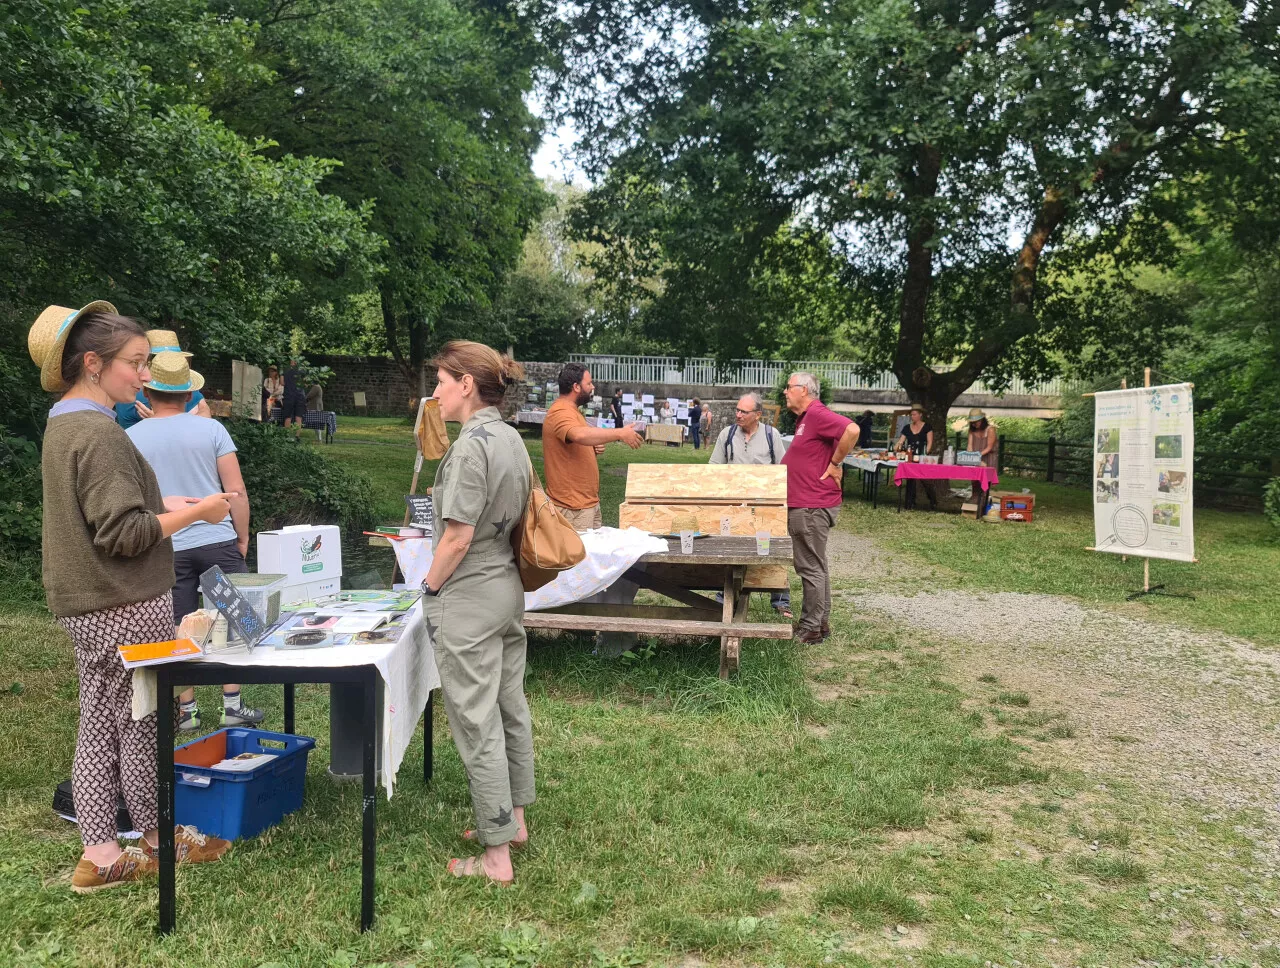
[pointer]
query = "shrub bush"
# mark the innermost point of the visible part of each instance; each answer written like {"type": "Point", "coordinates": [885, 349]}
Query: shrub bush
{"type": "Point", "coordinates": [292, 483]}
{"type": "Point", "coordinates": [20, 520]}
{"type": "Point", "coordinates": [1271, 502]}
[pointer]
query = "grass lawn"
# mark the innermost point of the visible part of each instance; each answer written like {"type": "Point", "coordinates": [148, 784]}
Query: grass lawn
{"type": "Point", "coordinates": [847, 804]}
{"type": "Point", "coordinates": [1233, 582]}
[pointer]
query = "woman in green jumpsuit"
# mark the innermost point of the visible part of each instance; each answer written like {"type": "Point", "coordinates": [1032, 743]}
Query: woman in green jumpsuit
{"type": "Point", "coordinates": [474, 603]}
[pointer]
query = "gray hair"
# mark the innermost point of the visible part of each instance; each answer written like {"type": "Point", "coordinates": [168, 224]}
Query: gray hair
{"type": "Point", "coordinates": [757, 404]}
{"type": "Point", "coordinates": [808, 381]}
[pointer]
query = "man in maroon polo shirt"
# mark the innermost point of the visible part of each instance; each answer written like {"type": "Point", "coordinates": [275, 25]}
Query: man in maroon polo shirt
{"type": "Point", "coordinates": [814, 471]}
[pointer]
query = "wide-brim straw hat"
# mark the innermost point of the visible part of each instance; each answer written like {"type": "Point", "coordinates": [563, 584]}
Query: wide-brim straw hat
{"type": "Point", "coordinates": [165, 341]}
{"type": "Point", "coordinates": [919, 407]}
{"type": "Point", "coordinates": [47, 340]}
{"type": "Point", "coordinates": [976, 414]}
{"type": "Point", "coordinates": [170, 373]}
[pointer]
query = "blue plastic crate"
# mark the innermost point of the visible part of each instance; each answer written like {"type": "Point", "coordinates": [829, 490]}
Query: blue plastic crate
{"type": "Point", "coordinates": [235, 805]}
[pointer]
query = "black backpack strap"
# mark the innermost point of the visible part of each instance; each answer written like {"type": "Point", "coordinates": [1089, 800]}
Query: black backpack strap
{"type": "Point", "coordinates": [768, 439]}
{"type": "Point", "coordinates": [728, 445]}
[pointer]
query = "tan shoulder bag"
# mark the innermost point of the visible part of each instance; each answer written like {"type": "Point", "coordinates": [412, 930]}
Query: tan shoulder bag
{"type": "Point", "coordinates": [544, 542]}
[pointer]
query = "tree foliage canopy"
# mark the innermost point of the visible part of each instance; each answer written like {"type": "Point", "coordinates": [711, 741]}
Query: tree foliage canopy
{"type": "Point", "coordinates": [117, 182]}
{"type": "Point", "coordinates": [946, 155]}
{"type": "Point", "coordinates": [422, 103]}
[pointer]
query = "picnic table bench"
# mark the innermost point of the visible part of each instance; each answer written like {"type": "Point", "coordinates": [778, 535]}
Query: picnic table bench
{"type": "Point", "coordinates": [728, 565]}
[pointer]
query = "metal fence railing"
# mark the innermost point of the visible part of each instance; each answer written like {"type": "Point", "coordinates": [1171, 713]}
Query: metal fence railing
{"type": "Point", "coordinates": [621, 368]}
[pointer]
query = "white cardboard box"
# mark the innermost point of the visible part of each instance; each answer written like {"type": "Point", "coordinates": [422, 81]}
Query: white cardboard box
{"type": "Point", "coordinates": [306, 555]}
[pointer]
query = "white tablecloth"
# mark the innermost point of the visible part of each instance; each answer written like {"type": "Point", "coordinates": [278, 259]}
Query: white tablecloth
{"type": "Point", "coordinates": [610, 552]}
{"type": "Point", "coordinates": [407, 667]}
{"type": "Point", "coordinates": [868, 464]}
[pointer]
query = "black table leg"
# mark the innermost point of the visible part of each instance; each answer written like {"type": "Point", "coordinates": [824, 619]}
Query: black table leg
{"type": "Point", "coordinates": [370, 802]}
{"type": "Point", "coordinates": [428, 740]}
{"type": "Point", "coordinates": [165, 777]}
{"type": "Point", "coordinates": [288, 707]}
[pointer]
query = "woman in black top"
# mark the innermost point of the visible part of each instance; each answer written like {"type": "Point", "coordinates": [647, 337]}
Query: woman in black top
{"type": "Point", "coordinates": [917, 436]}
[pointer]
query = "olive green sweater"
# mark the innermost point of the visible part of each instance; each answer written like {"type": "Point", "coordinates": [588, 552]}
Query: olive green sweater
{"type": "Point", "coordinates": [102, 541]}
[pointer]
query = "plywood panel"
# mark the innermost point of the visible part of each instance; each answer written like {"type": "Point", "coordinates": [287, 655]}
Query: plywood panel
{"type": "Point", "coordinates": [707, 483]}
{"type": "Point", "coordinates": [744, 520]}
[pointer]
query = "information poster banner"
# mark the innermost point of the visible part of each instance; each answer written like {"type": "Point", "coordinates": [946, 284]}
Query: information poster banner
{"type": "Point", "coordinates": [1142, 474]}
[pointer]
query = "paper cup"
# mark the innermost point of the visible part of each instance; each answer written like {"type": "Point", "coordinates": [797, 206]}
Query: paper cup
{"type": "Point", "coordinates": [686, 542]}
{"type": "Point", "coordinates": [762, 542]}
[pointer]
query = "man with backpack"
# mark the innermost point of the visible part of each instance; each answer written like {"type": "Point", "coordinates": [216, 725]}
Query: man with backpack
{"type": "Point", "coordinates": [748, 440]}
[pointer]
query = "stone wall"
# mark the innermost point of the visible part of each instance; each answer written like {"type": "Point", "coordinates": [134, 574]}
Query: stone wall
{"type": "Point", "coordinates": [388, 393]}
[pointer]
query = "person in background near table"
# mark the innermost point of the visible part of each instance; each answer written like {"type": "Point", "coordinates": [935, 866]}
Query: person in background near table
{"type": "Point", "coordinates": [695, 423]}
{"type": "Point", "coordinates": [196, 457]}
{"type": "Point", "coordinates": [161, 341]}
{"type": "Point", "coordinates": [749, 441]}
{"type": "Point", "coordinates": [865, 423]}
{"type": "Point", "coordinates": [983, 439]}
{"type": "Point", "coordinates": [570, 448]}
{"type": "Point", "coordinates": [315, 396]}
{"type": "Point", "coordinates": [294, 401]}
{"type": "Point", "coordinates": [473, 601]}
{"type": "Point", "coordinates": [616, 407]}
{"type": "Point", "coordinates": [272, 391]}
{"type": "Point", "coordinates": [815, 470]}
{"type": "Point", "coordinates": [107, 564]}
{"type": "Point", "coordinates": [917, 437]}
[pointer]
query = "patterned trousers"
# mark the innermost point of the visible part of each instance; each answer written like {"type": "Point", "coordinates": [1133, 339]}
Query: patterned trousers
{"type": "Point", "coordinates": [114, 754]}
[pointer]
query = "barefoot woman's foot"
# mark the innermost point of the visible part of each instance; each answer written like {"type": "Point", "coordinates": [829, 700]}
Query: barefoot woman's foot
{"type": "Point", "coordinates": [475, 867]}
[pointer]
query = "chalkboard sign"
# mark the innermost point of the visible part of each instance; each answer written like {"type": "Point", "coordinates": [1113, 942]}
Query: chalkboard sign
{"type": "Point", "coordinates": [247, 624]}
{"type": "Point", "coordinates": [421, 514]}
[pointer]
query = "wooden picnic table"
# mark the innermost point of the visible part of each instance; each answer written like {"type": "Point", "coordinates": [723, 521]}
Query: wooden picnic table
{"type": "Point", "coordinates": [727, 565]}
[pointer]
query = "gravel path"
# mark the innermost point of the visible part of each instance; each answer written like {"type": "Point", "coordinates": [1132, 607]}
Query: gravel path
{"type": "Point", "coordinates": [1191, 712]}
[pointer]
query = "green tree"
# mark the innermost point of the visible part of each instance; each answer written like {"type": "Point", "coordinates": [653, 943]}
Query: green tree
{"type": "Point", "coordinates": [116, 182]}
{"type": "Point", "coordinates": [422, 103]}
{"type": "Point", "coordinates": [948, 151]}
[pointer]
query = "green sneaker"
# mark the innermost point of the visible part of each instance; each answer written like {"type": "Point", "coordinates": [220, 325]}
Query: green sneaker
{"type": "Point", "coordinates": [244, 716]}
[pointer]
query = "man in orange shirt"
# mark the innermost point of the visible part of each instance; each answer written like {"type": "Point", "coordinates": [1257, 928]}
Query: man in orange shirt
{"type": "Point", "coordinates": [570, 448]}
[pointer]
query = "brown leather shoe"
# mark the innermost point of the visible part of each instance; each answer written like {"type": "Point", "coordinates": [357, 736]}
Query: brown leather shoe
{"type": "Point", "coordinates": [131, 866]}
{"type": "Point", "coordinates": [811, 638]}
{"type": "Point", "coordinates": [190, 846]}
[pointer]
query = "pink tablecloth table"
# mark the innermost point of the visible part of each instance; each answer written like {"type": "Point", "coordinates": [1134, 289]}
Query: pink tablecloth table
{"type": "Point", "coordinates": [986, 476]}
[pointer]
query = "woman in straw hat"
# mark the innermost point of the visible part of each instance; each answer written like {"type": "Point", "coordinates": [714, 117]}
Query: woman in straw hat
{"type": "Point", "coordinates": [108, 571]}
{"type": "Point", "coordinates": [982, 438]}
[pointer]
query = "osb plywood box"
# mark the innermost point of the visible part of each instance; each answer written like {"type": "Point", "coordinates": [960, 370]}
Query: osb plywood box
{"type": "Point", "coordinates": [707, 484]}
{"type": "Point", "coordinates": [752, 497]}
{"type": "Point", "coordinates": [744, 519]}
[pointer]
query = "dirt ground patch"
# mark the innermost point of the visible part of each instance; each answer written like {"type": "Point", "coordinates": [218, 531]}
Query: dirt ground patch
{"type": "Point", "coordinates": [1192, 713]}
